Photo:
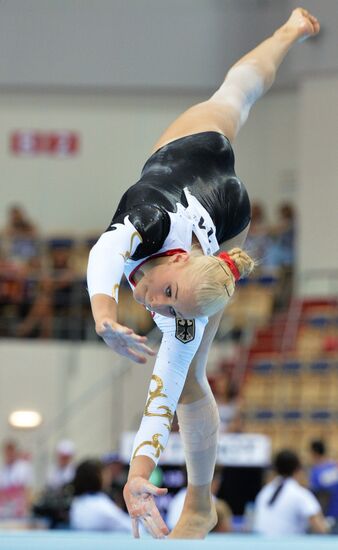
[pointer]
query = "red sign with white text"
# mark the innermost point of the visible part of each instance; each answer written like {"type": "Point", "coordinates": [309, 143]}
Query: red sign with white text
{"type": "Point", "coordinates": [35, 143]}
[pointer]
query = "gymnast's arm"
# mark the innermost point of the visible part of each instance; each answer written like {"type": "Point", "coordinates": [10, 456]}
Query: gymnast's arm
{"type": "Point", "coordinates": [171, 368]}
{"type": "Point", "coordinates": [252, 76]}
{"type": "Point", "coordinates": [104, 273]}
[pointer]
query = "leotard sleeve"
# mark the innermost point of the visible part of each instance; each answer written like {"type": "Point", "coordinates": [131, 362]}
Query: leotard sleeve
{"type": "Point", "coordinates": [107, 258]}
{"type": "Point", "coordinates": [136, 235]}
{"type": "Point", "coordinates": [152, 223]}
{"type": "Point", "coordinates": [180, 342]}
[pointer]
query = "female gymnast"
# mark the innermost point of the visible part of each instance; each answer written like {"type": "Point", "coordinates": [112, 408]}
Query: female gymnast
{"type": "Point", "coordinates": [163, 237]}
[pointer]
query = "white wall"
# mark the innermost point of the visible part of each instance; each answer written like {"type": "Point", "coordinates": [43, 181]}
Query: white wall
{"type": "Point", "coordinates": [318, 168]}
{"type": "Point", "coordinates": [80, 194]}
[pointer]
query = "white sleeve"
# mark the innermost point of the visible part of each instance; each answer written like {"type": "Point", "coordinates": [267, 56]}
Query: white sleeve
{"type": "Point", "coordinates": [180, 341]}
{"type": "Point", "coordinates": [107, 258]}
{"type": "Point", "coordinates": [308, 504]}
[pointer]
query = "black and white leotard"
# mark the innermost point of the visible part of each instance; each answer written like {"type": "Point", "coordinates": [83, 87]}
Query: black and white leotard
{"type": "Point", "coordinates": [203, 166]}
{"type": "Point", "coordinates": [188, 187]}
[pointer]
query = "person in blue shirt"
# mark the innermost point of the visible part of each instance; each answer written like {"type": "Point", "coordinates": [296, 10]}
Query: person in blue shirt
{"type": "Point", "coordinates": [323, 478]}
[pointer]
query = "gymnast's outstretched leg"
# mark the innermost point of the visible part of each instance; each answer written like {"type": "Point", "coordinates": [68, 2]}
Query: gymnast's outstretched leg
{"type": "Point", "coordinates": [248, 80]}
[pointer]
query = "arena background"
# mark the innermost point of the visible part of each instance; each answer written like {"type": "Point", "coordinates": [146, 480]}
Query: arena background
{"type": "Point", "coordinates": [116, 73]}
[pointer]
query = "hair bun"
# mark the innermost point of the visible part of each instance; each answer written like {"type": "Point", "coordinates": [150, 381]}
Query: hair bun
{"type": "Point", "coordinates": [244, 263]}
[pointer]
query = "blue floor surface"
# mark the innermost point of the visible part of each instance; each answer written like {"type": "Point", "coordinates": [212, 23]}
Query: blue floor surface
{"type": "Point", "coordinates": [46, 540]}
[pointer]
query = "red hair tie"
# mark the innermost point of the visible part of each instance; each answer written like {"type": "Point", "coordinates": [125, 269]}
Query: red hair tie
{"type": "Point", "coordinates": [231, 264]}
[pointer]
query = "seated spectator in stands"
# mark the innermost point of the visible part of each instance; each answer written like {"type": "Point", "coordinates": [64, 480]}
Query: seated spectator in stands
{"type": "Point", "coordinates": [53, 295]}
{"type": "Point", "coordinates": [19, 236]}
{"type": "Point", "coordinates": [16, 480]}
{"type": "Point", "coordinates": [92, 509]}
{"type": "Point", "coordinates": [258, 241]}
{"type": "Point", "coordinates": [18, 224]}
{"type": "Point", "coordinates": [16, 470]}
{"type": "Point", "coordinates": [282, 252]}
{"type": "Point", "coordinates": [62, 471]}
{"type": "Point", "coordinates": [282, 238]}
{"type": "Point", "coordinates": [16, 271]}
{"type": "Point", "coordinates": [283, 234]}
{"type": "Point", "coordinates": [283, 506]}
{"type": "Point", "coordinates": [228, 401]}
{"type": "Point", "coordinates": [324, 478]}
{"type": "Point", "coordinates": [12, 281]}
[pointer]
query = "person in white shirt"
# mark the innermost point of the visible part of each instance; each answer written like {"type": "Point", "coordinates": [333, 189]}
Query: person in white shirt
{"type": "Point", "coordinates": [92, 509]}
{"type": "Point", "coordinates": [16, 481]}
{"type": "Point", "coordinates": [62, 471]}
{"type": "Point", "coordinates": [16, 471]}
{"type": "Point", "coordinates": [283, 506]}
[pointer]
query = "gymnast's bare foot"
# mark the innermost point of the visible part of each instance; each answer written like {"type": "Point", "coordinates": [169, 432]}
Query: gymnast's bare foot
{"type": "Point", "coordinates": [194, 525]}
{"type": "Point", "coordinates": [301, 24]}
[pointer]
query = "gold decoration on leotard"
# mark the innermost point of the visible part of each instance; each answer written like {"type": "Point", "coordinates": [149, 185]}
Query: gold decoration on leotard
{"type": "Point", "coordinates": [153, 443]}
{"type": "Point", "coordinates": [127, 254]}
{"type": "Point", "coordinates": [115, 291]}
{"type": "Point", "coordinates": [157, 392]}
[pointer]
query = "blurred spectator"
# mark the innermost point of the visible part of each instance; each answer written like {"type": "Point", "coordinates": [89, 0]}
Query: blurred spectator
{"type": "Point", "coordinates": [258, 240]}
{"type": "Point", "coordinates": [19, 237]}
{"type": "Point", "coordinates": [324, 478]}
{"type": "Point", "coordinates": [16, 480]}
{"type": "Point", "coordinates": [16, 471]}
{"type": "Point", "coordinates": [18, 224]}
{"type": "Point", "coordinates": [228, 401]}
{"type": "Point", "coordinates": [114, 478]}
{"type": "Point", "coordinates": [282, 252]}
{"type": "Point", "coordinates": [283, 506]}
{"type": "Point", "coordinates": [11, 281]}
{"type": "Point", "coordinates": [273, 247]}
{"type": "Point", "coordinates": [92, 509]}
{"type": "Point", "coordinates": [53, 504]}
{"type": "Point", "coordinates": [53, 296]}
{"type": "Point", "coordinates": [283, 234]}
{"type": "Point", "coordinates": [63, 470]}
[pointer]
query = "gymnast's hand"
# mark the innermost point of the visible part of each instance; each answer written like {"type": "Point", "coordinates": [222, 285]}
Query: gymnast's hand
{"type": "Point", "coordinates": [123, 340]}
{"type": "Point", "coordinates": [139, 497]}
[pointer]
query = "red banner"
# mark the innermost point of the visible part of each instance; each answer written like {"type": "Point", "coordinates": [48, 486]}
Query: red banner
{"type": "Point", "coordinates": [36, 143]}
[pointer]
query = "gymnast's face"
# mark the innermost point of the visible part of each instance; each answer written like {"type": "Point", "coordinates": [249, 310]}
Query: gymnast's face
{"type": "Point", "coordinates": [164, 289]}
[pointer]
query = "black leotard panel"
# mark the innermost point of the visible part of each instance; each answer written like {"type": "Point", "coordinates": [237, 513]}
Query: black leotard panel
{"type": "Point", "coordinates": [204, 163]}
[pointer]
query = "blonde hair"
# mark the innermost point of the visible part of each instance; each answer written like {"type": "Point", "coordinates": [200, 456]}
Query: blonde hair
{"type": "Point", "coordinates": [211, 279]}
